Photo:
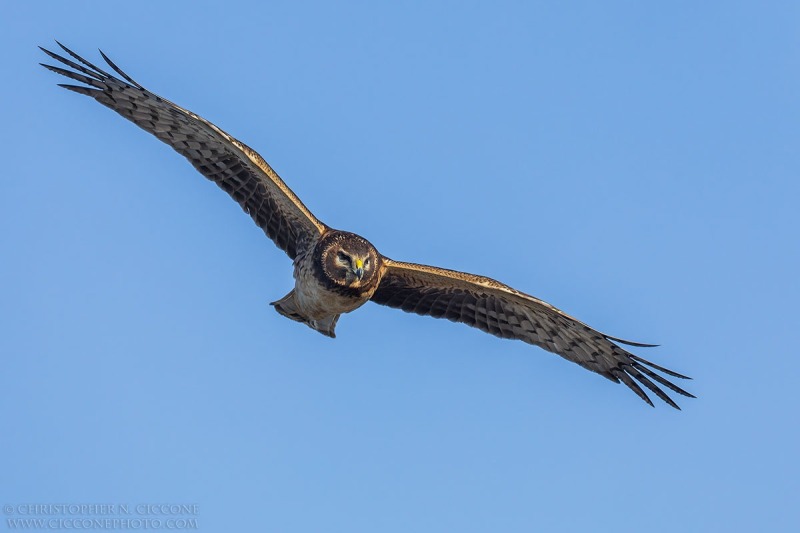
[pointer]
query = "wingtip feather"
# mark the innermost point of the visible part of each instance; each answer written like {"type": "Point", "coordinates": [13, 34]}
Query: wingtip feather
{"type": "Point", "coordinates": [631, 343]}
{"type": "Point", "coordinates": [119, 70]}
{"type": "Point", "coordinates": [627, 380]}
{"type": "Point", "coordinates": [80, 90]}
{"type": "Point", "coordinates": [82, 60]}
{"type": "Point", "coordinates": [650, 385]}
{"type": "Point", "coordinates": [658, 367]}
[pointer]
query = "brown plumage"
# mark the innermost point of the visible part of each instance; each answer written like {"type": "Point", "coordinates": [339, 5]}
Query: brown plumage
{"type": "Point", "coordinates": [336, 272]}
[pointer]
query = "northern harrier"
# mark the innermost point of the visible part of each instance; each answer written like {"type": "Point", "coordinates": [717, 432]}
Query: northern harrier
{"type": "Point", "coordinates": [337, 272]}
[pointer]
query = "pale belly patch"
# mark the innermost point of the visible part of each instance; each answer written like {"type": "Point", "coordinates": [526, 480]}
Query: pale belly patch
{"type": "Point", "coordinates": [317, 303]}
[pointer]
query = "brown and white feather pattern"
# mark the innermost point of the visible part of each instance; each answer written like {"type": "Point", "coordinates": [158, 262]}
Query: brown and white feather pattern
{"type": "Point", "coordinates": [232, 165]}
{"type": "Point", "coordinates": [498, 309]}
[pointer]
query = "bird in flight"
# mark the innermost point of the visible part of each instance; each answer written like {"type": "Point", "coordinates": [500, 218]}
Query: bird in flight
{"type": "Point", "coordinates": [337, 271]}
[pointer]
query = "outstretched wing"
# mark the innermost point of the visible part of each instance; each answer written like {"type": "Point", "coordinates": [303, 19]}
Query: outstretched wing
{"type": "Point", "coordinates": [231, 164]}
{"type": "Point", "coordinates": [498, 309]}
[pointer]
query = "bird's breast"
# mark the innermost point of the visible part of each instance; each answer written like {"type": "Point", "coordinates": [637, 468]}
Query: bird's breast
{"type": "Point", "coordinates": [317, 298]}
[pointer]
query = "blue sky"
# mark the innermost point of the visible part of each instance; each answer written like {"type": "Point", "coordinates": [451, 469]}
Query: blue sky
{"type": "Point", "coordinates": [634, 164]}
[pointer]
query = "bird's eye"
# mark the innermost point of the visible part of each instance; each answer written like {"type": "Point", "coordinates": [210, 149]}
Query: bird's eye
{"type": "Point", "coordinates": [367, 263]}
{"type": "Point", "coordinates": [343, 257]}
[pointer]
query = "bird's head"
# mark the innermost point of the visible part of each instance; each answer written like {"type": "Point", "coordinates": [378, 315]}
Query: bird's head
{"type": "Point", "coordinates": [350, 261]}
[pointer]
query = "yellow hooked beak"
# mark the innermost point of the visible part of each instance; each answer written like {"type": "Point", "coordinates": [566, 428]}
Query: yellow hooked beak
{"type": "Point", "coordinates": [359, 268]}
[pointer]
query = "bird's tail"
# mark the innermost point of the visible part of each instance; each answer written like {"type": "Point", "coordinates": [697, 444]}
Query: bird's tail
{"type": "Point", "coordinates": [287, 306]}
